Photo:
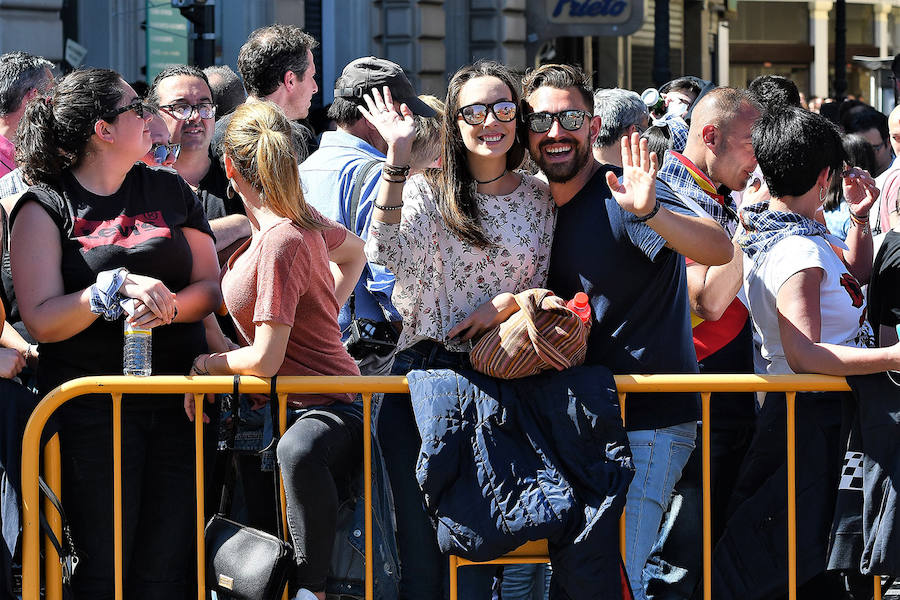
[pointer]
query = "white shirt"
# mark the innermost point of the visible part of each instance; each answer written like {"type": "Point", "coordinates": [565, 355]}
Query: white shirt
{"type": "Point", "coordinates": [842, 304]}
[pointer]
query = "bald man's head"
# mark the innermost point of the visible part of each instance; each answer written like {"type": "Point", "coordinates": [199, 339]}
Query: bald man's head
{"type": "Point", "coordinates": [894, 130]}
{"type": "Point", "coordinates": [721, 106]}
{"type": "Point", "coordinates": [719, 141]}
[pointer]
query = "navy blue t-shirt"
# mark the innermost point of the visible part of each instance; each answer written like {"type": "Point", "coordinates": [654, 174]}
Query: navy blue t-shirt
{"type": "Point", "coordinates": [638, 292]}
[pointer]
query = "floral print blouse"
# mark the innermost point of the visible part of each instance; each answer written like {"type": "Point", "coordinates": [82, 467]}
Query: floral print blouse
{"type": "Point", "coordinates": [441, 280]}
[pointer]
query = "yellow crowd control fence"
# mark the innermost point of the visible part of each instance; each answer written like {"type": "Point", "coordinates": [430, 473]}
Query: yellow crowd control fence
{"type": "Point", "coordinates": [116, 386]}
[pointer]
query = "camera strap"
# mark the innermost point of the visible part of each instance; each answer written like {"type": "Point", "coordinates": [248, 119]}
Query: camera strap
{"type": "Point", "coordinates": [362, 173]}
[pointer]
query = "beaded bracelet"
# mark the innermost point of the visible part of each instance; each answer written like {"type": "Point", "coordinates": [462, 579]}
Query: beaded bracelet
{"type": "Point", "coordinates": [395, 170]}
{"type": "Point", "coordinates": [650, 214]}
{"type": "Point", "coordinates": [382, 207]}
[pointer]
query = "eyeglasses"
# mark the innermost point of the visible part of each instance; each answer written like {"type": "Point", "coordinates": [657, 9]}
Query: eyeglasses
{"type": "Point", "coordinates": [162, 152]}
{"type": "Point", "coordinates": [184, 111]}
{"type": "Point", "coordinates": [137, 106]}
{"type": "Point", "coordinates": [476, 114]}
{"type": "Point", "coordinates": [570, 120]}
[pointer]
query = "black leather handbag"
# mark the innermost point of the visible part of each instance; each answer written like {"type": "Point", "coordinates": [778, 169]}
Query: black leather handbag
{"type": "Point", "coordinates": [243, 563]}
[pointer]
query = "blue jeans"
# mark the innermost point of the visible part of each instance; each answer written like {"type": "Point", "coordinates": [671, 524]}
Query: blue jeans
{"type": "Point", "coordinates": [659, 457]}
{"type": "Point", "coordinates": [526, 582]}
{"type": "Point", "coordinates": [423, 569]}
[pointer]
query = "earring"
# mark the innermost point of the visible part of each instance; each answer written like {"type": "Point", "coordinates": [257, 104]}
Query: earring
{"type": "Point", "coordinates": [821, 195]}
{"type": "Point", "coordinates": [229, 189]}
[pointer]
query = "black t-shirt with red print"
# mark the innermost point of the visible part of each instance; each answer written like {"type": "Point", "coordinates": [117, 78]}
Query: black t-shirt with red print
{"type": "Point", "coordinates": [139, 227]}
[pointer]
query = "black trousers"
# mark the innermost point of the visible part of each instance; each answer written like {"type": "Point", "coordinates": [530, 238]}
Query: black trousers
{"type": "Point", "coordinates": [320, 456]}
{"type": "Point", "coordinates": [158, 500]}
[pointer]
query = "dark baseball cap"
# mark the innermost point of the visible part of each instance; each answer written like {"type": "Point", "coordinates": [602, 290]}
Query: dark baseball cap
{"type": "Point", "coordinates": [363, 74]}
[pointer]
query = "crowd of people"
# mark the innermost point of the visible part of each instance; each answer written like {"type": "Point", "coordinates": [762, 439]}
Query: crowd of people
{"type": "Point", "coordinates": [724, 231]}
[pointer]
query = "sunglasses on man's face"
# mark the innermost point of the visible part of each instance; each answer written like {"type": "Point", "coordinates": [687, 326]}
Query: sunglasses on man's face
{"type": "Point", "coordinates": [476, 114]}
{"type": "Point", "coordinates": [162, 152]}
{"type": "Point", "coordinates": [570, 120]}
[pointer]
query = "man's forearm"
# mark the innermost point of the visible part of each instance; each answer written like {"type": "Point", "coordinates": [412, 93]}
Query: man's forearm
{"type": "Point", "coordinates": [229, 230]}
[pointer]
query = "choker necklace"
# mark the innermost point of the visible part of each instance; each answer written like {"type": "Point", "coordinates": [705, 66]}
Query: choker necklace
{"type": "Point", "coordinates": [492, 180]}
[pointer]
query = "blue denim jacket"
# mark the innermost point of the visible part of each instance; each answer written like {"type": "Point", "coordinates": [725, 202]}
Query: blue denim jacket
{"type": "Point", "coordinates": [505, 462]}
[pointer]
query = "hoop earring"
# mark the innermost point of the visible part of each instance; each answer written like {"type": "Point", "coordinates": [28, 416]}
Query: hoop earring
{"type": "Point", "coordinates": [821, 195]}
{"type": "Point", "coordinates": [229, 189]}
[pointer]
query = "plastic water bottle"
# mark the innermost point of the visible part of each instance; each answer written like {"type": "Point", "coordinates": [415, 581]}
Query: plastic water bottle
{"type": "Point", "coordinates": [581, 306]}
{"type": "Point", "coordinates": [138, 352]}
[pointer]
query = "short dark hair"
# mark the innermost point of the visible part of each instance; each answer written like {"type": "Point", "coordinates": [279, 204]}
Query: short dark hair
{"type": "Point", "coordinates": [659, 139]}
{"type": "Point", "coordinates": [865, 118]}
{"type": "Point", "coordinates": [344, 111]}
{"type": "Point", "coordinates": [773, 91]}
{"type": "Point", "coordinates": [559, 77]}
{"type": "Point", "coordinates": [684, 84]}
{"type": "Point", "coordinates": [228, 92]}
{"type": "Point", "coordinates": [174, 71]}
{"type": "Point", "coordinates": [792, 147]}
{"type": "Point", "coordinates": [269, 53]}
{"type": "Point", "coordinates": [859, 154]}
{"type": "Point", "coordinates": [20, 73]}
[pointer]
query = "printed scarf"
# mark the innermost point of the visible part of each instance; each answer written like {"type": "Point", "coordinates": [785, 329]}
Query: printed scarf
{"type": "Point", "coordinates": [763, 228]}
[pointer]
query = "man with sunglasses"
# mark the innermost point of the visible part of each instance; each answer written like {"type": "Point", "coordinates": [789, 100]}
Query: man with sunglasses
{"type": "Point", "coordinates": [629, 259]}
{"type": "Point", "coordinates": [185, 102]}
{"type": "Point", "coordinates": [341, 179]}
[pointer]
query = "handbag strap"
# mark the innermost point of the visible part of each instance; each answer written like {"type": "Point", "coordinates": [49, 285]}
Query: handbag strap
{"type": "Point", "coordinates": [276, 471]}
{"type": "Point", "coordinates": [225, 502]}
{"type": "Point", "coordinates": [529, 302]}
{"type": "Point", "coordinates": [231, 473]}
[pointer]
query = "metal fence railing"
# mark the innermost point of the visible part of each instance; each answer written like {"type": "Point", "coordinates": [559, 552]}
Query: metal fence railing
{"type": "Point", "coordinates": [116, 386]}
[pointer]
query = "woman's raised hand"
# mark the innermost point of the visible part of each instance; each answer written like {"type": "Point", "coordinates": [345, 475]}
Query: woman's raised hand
{"type": "Point", "coordinates": [860, 190]}
{"type": "Point", "coordinates": [156, 304]}
{"type": "Point", "coordinates": [637, 191]}
{"type": "Point", "coordinates": [398, 128]}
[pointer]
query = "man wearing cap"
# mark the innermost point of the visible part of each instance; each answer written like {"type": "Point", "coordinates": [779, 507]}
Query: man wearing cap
{"type": "Point", "coordinates": [341, 180]}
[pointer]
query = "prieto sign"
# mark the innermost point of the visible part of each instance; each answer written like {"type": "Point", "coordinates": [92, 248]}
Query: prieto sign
{"type": "Point", "coordinates": [576, 18]}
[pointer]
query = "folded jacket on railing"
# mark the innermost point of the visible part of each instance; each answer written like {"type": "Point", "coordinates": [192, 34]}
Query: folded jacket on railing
{"type": "Point", "coordinates": [506, 462]}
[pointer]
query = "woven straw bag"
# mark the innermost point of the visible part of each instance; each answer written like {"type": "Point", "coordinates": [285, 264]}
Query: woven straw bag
{"type": "Point", "coordinates": [542, 335]}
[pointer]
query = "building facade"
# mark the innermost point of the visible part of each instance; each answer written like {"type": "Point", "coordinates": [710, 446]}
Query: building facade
{"type": "Point", "coordinates": [725, 41]}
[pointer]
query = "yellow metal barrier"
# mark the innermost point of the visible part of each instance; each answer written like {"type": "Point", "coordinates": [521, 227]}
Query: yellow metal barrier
{"type": "Point", "coordinates": [535, 552]}
{"type": "Point", "coordinates": [532, 552]}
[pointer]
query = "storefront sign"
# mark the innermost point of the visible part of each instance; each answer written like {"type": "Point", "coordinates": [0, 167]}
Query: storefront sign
{"type": "Point", "coordinates": [576, 18]}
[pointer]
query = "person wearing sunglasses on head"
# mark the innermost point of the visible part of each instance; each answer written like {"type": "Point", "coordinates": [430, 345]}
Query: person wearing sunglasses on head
{"type": "Point", "coordinates": [111, 229]}
{"type": "Point", "coordinates": [460, 241]}
{"type": "Point", "coordinates": [162, 153]}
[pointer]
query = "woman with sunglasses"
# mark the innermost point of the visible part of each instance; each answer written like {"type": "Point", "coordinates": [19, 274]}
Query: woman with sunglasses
{"type": "Point", "coordinates": [111, 229]}
{"type": "Point", "coordinates": [460, 241]}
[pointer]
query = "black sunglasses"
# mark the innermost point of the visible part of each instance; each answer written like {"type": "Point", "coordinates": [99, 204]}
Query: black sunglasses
{"type": "Point", "coordinates": [184, 111]}
{"type": "Point", "coordinates": [570, 120]}
{"type": "Point", "coordinates": [476, 114]}
{"type": "Point", "coordinates": [161, 152]}
{"type": "Point", "coordinates": [137, 106]}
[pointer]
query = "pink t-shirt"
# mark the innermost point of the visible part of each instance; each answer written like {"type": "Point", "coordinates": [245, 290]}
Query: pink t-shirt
{"type": "Point", "coordinates": [282, 275]}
